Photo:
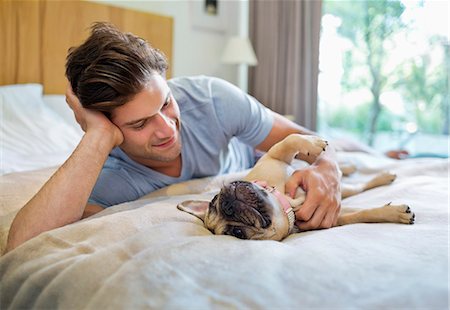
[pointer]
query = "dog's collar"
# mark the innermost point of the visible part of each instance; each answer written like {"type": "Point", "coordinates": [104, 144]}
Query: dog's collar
{"type": "Point", "coordinates": [282, 200]}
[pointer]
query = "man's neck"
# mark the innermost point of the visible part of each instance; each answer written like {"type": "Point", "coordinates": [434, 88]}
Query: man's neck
{"type": "Point", "coordinates": [169, 168]}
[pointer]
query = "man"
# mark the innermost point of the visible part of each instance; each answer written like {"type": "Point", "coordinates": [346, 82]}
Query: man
{"type": "Point", "coordinates": [143, 132]}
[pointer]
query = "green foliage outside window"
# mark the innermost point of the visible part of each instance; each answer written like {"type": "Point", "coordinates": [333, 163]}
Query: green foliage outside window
{"type": "Point", "coordinates": [375, 30]}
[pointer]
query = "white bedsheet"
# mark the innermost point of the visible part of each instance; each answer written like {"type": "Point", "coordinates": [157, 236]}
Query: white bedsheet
{"type": "Point", "coordinates": [148, 254]}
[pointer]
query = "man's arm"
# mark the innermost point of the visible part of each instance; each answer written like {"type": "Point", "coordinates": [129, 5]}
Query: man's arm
{"type": "Point", "coordinates": [321, 180]}
{"type": "Point", "coordinates": [281, 128]}
{"type": "Point", "coordinates": [62, 200]}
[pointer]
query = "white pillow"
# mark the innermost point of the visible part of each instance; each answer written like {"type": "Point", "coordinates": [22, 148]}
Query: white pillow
{"type": "Point", "coordinates": [32, 136]}
{"type": "Point", "coordinates": [58, 104]}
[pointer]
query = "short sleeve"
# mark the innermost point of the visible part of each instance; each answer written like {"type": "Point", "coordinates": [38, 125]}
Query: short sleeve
{"type": "Point", "coordinates": [240, 114]}
{"type": "Point", "coordinates": [113, 187]}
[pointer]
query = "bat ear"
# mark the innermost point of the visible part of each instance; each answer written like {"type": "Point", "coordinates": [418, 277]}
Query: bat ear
{"type": "Point", "coordinates": [195, 207]}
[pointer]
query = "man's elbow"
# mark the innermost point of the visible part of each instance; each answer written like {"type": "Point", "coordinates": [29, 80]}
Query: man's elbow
{"type": "Point", "coordinates": [91, 210]}
{"type": "Point", "coordinates": [12, 243]}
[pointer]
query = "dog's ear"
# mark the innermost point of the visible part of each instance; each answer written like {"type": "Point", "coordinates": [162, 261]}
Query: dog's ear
{"type": "Point", "coordinates": [195, 207]}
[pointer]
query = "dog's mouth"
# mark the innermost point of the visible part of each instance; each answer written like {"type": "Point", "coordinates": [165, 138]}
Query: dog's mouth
{"type": "Point", "coordinates": [282, 201]}
{"type": "Point", "coordinates": [243, 202]}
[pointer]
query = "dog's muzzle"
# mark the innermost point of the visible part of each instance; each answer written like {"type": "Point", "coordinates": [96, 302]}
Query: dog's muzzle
{"type": "Point", "coordinates": [282, 200]}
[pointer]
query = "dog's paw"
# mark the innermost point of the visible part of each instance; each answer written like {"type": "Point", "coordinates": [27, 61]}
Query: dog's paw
{"type": "Point", "coordinates": [388, 177]}
{"type": "Point", "coordinates": [401, 214]}
{"type": "Point", "coordinates": [383, 178]}
{"type": "Point", "coordinates": [313, 146]}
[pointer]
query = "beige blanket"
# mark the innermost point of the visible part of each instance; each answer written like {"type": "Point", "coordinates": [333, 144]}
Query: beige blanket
{"type": "Point", "coordinates": [147, 254]}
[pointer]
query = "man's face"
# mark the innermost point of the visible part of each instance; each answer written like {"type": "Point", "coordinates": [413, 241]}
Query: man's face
{"type": "Point", "coordinates": [150, 124]}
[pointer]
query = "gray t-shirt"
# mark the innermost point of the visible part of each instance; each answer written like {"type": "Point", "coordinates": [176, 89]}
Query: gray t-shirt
{"type": "Point", "coordinates": [220, 126]}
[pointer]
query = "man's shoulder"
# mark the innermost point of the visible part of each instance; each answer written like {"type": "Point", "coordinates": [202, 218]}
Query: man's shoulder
{"type": "Point", "coordinates": [187, 82]}
{"type": "Point", "coordinates": [198, 85]}
{"type": "Point", "coordinates": [192, 80]}
{"type": "Point", "coordinates": [193, 94]}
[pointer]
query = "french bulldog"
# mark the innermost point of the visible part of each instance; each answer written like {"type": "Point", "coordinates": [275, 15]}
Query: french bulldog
{"type": "Point", "coordinates": [257, 208]}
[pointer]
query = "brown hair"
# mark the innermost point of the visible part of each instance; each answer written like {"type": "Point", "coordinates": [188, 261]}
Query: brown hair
{"type": "Point", "coordinates": [110, 67]}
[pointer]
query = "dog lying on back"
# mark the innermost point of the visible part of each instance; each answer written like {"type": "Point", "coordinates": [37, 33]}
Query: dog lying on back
{"type": "Point", "coordinates": [257, 208]}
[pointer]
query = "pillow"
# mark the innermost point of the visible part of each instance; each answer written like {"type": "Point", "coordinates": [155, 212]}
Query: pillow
{"type": "Point", "coordinates": [58, 104]}
{"type": "Point", "coordinates": [32, 135]}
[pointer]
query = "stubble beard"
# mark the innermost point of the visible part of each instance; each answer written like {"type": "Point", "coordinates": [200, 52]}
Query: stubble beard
{"type": "Point", "coordinates": [169, 155]}
{"type": "Point", "coordinates": [164, 155]}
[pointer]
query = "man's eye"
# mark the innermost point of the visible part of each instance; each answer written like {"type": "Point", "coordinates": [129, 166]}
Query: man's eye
{"type": "Point", "coordinates": [139, 126]}
{"type": "Point", "coordinates": [167, 103]}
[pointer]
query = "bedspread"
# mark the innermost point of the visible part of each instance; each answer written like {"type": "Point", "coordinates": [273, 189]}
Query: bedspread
{"type": "Point", "coordinates": [148, 254]}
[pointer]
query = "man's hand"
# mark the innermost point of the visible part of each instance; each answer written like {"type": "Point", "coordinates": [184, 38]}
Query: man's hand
{"type": "Point", "coordinates": [321, 181]}
{"type": "Point", "coordinates": [92, 120]}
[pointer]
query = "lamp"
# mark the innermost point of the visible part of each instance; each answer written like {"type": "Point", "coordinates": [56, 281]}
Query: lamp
{"type": "Point", "coordinates": [239, 51]}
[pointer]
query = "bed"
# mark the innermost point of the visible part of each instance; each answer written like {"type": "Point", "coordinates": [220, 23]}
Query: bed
{"type": "Point", "coordinates": [147, 254]}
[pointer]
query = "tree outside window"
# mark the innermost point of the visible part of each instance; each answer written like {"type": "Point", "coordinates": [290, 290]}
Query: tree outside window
{"type": "Point", "coordinates": [384, 73]}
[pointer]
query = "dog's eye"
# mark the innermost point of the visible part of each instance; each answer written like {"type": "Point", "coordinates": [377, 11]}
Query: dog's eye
{"type": "Point", "coordinates": [238, 233]}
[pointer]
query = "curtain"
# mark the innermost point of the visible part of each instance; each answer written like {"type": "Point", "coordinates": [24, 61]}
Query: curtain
{"type": "Point", "coordinates": [285, 35]}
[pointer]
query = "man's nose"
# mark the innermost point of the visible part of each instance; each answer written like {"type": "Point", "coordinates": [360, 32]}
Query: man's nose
{"type": "Point", "coordinates": [164, 126]}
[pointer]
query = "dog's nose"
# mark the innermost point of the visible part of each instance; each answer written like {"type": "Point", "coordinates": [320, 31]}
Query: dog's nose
{"type": "Point", "coordinates": [227, 208]}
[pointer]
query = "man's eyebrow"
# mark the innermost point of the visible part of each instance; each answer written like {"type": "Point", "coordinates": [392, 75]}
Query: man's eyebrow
{"type": "Point", "coordinates": [144, 118]}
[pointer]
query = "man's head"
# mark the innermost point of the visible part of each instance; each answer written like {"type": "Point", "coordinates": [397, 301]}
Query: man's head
{"type": "Point", "coordinates": [150, 124]}
{"type": "Point", "coordinates": [111, 67]}
{"type": "Point", "coordinates": [122, 76]}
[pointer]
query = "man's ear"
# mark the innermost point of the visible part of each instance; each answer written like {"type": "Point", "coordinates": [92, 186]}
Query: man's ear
{"type": "Point", "coordinates": [195, 207]}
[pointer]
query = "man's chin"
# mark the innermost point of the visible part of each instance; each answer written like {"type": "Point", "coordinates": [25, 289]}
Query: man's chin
{"type": "Point", "coordinates": [164, 158]}
{"type": "Point", "coordinates": [151, 155]}
{"type": "Point", "coordinates": [166, 155]}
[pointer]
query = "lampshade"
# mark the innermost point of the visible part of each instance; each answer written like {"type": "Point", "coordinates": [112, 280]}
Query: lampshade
{"type": "Point", "coordinates": [239, 50]}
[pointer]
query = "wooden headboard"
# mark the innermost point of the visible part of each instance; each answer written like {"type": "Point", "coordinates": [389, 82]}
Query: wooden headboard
{"type": "Point", "coordinates": [36, 35]}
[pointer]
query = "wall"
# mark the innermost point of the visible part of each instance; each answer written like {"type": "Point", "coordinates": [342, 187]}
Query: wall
{"type": "Point", "coordinates": [197, 50]}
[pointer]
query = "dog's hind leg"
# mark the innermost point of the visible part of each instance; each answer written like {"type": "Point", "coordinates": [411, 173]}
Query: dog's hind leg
{"type": "Point", "coordinates": [385, 214]}
{"type": "Point", "coordinates": [347, 169]}
{"type": "Point", "coordinates": [383, 178]}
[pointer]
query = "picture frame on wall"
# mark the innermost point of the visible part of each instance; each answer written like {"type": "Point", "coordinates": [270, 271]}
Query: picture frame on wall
{"type": "Point", "coordinates": [209, 15]}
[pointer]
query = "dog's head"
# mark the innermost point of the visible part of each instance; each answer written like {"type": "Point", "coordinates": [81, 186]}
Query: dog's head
{"type": "Point", "coordinates": [246, 210]}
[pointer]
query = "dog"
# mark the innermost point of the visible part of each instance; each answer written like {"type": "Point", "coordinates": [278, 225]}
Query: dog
{"type": "Point", "coordinates": [256, 207]}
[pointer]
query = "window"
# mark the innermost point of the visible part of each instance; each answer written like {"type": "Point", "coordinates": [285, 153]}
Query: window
{"type": "Point", "coordinates": [383, 78]}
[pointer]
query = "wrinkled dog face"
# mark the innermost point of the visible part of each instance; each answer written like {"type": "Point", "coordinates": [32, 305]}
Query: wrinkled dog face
{"type": "Point", "coordinates": [247, 211]}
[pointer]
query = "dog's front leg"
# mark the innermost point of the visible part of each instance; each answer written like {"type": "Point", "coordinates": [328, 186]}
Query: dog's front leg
{"type": "Point", "coordinates": [293, 144]}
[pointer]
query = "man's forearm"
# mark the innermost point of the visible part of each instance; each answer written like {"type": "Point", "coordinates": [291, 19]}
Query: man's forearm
{"type": "Point", "coordinates": [62, 199]}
